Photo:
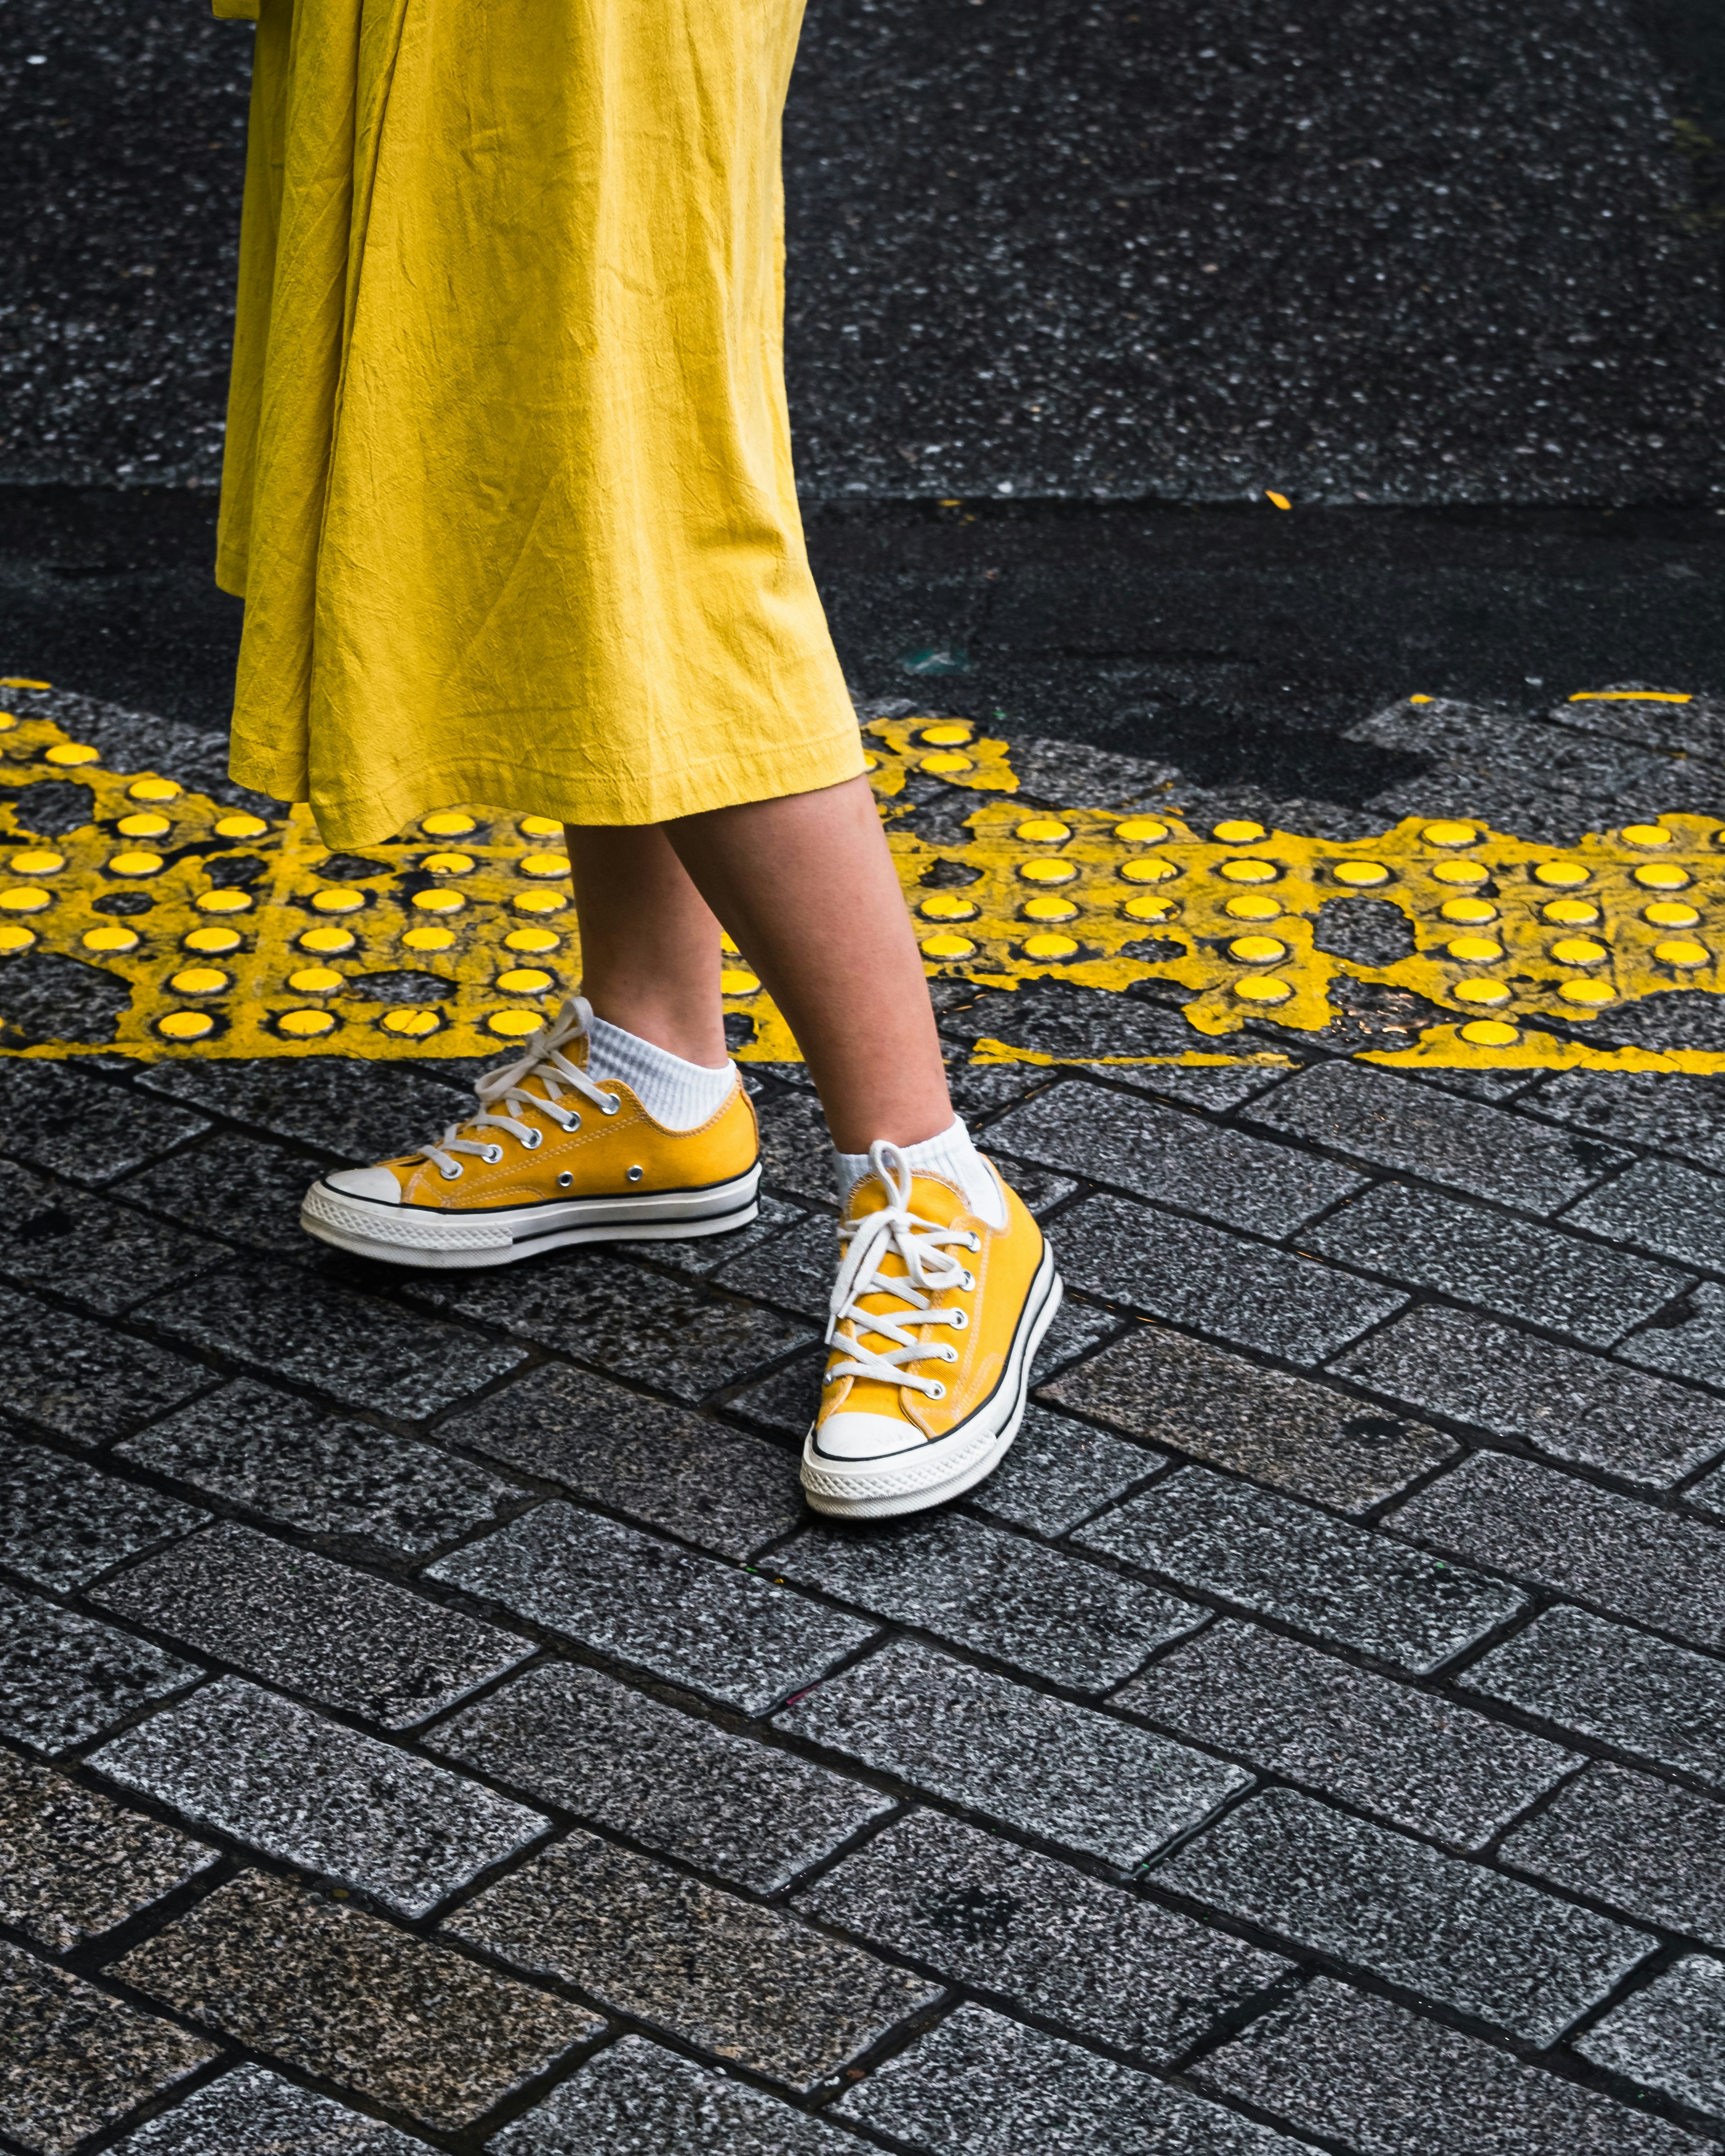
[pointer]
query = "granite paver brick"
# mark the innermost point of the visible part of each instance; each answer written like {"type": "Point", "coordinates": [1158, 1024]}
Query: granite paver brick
{"type": "Point", "coordinates": [635, 2099]}
{"type": "Point", "coordinates": [1660, 1206]}
{"type": "Point", "coordinates": [1170, 1267]}
{"type": "Point", "coordinates": [286, 1460]}
{"type": "Point", "coordinates": [1415, 1759]}
{"type": "Point", "coordinates": [796, 1153]}
{"type": "Point", "coordinates": [82, 1380]}
{"type": "Point", "coordinates": [71, 1122]}
{"type": "Point", "coordinates": [1286, 1561]}
{"type": "Point", "coordinates": [1691, 1347]}
{"type": "Point", "coordinates": [1655, 1853]}
{"type": "Point", "coordinates": [1059, 1471]}
{"type": "Point", "coordinates": [1370, 2077]}
{"type": "Point", "coordinates": [269, 1772]}
{"type": "Point", "coordinates": [1175, 1157]}
{"type": "Point", "coordinates": [659, 1465]}
{"type": "Point", "coordinates": [796, 1270]}
{"type": "Point", "coordinates": [1628, 1558]}
{"type": "Point", "coordinates": [575, 1739]}
{"type": "Point", "coordinates": [1039, 1609]}
{"type": "Point", "coordinates": [1102, 1963]}
{"type": "Point", "coordinates": [685, 1617]}
{"type": "Point", "coordinates": [993, 2088]}
{"type": "Point", "coordinates": [235, 1186]}
{"type": "Point", "coordinates": [751, 1983]}
{"type": "Point", "coordinates": [1671, 2036]}
{"type": "Point", "coordinates": [1680, 1115]}
{"type": "Point", "coordinates": [1489, 1945]}
{"type": "Point", "coordinates": [1520, 1270]}
{"type": "Point", "coordinates": [338, 1993]}
{"type": "Point", "coordinates": [72, 1865]}
{"type": "Point", "coordinates": [1066, 1774]}
{"type": "Point", "coordinates": [250, 2112]}
{"type": "Point", "coordinates": [356, 1349]}
{"type": "Point", "coordinates": [1393, 1123]}
{"type": "Point", "coordinates": [1078, 1327]}
{"type": "Point", "coordinates": [80, 1246]}
{"type": "Point", "coordinates": [701, 1256]}
{"type": "Point", "coordinates": [1291, 1433]}
{"type": "Point", "coordinates": [1575, 1406]}
{"type": "Point", "coordinates": [359, 1111]}
{"type": "Point", "coordinates": [62, 1523]}
{"type": "Point", "coordinates": [74, 2060]}
{"type": "Point", "coordinates": [363, 1646]}
{"type": "Point", "coordinates": [788, 1400]}
{"type": "Point", "coordinates": [64, 1678]}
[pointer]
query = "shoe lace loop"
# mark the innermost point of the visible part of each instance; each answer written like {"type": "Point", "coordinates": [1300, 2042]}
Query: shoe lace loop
{"type": "Point", "coordinates": [932, 1268]}
{"type": "Point", "coordinates": [542, 1059]}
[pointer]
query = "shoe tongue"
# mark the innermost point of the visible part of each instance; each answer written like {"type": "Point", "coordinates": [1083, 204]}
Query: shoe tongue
{"type": "Point", "coordinates": [931, 1199]}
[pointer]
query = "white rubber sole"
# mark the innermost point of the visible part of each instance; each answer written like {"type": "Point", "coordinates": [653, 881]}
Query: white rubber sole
{"type": "Point", "coordinates": [928, 1475]}
{"type": "Point", "coordinates": [415, 1235]}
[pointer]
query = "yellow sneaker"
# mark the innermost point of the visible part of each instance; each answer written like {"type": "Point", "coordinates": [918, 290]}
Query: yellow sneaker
{"type": "Point", "coordinates": [936, 1319]}
{"type": "Point", "coordinates": [550, 1157]}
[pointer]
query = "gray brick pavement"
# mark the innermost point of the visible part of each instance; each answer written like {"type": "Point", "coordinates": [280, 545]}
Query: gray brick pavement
{"type": "Point", "coordinates": [1661, 1206]}
{"type": "Point", "coordinates": [71, 1243]}
{"type": "Point", "coordinates": [1671, 2036]}
{"type": "Point", "coordinates": [1654, 1853]}
{"type": "Point", "coordinates": [56, 1117]}
{"type": "Point", "coordinates": [62, 1523]}
{"type": "Point", "coordinates": [64, 1678]}
{"type": "Point", "coordinates": [1059, 1471]}
{"type": "Point", "coordinates": [84, 1381]}
{"type": "Point", "coordinates": [251, 2112]}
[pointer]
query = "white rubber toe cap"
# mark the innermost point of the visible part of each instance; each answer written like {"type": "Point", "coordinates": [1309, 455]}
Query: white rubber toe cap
{"type": "Point", "coordinates": [376, 1183]}
{"type": "Point", "coordinates": [867, 1437]}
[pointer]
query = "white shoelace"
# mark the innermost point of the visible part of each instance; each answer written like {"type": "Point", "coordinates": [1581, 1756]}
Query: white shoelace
{"type": "Point", "coordinates": [931, 1269]}
{"type": "Point", "coordinates": [542, 1059]}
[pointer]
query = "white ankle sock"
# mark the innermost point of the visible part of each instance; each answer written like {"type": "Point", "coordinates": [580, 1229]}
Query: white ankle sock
{"type": "Point", "coordinates": [951, 1155]}
{"type": "Point", "coordinates": [679, 1095]}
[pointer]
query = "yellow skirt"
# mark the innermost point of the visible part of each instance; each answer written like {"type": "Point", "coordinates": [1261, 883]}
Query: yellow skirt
{"type": "Point", "coordinates": [508, 487]}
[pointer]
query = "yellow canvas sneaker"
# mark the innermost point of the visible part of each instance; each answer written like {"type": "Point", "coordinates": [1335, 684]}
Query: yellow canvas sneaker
{"type": "Point", "coordinates": [551, 1155]}
{"type": "Point", "coordinates": [936, 1318]}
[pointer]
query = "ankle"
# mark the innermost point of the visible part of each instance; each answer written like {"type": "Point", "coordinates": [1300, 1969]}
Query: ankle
{"type": "Point", "coordinates": [952, 1157]}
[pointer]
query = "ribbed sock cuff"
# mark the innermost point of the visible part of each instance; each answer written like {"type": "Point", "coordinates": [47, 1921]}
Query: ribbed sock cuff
{"type": "Point", "coordinates": [679, 1096]}
{"type": "Point", "coordinates": [951, 1155]}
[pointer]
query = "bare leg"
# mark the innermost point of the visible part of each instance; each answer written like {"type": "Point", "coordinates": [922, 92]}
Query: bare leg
{"type": "Point", "coordinates": [649, 946]}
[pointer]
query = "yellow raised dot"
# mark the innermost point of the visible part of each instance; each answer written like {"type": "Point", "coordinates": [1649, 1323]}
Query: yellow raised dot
{"type": "Point", "coordinates": [8, 720]}
{"type": "Point", "coordinates": [531, 981]}
{"type": "Point", "coordinates": [327, 940]}
{"type": "Point", "coordinates": [1051, 908]}
{"type": "Point", "coordinates": [512, 1024]}
{"type": "Point", "coordinates": [1669, 913]}
{"type": "Point", "coordinates": [186, 1025]}
{"type": "Point", "coordinates": [1263, 989]}
{"type": "Point", "coordinates": [447, 864]}
{"type": "Point", "coordinates": [1563, 875]}
{"type": "Point", "coordinates": [1252, 905]}
{"type": "Point", "coordinates": [447, 823]}
{"type": "Point", "coordinates": [212, 942]}
{"type": "Point", "coordinates": [36, 864]}
{"type": "Point", "coordinates": [148, 826]}
{"type": "Point", "coordinates": [1257, 950]}
{"type": "Point", "coordinates": [198, 981]}
{"type": "Point", "coordinates": [946, 906]}
{"type": "Point", "coordinates": [1468, 910]}
{"type": "Point", "coordinates": [1475, 950]}
{"type": "Point", "coordinates": [1489, 1032]}
{"type": "Point", "coordinates": [726, 946]}
{"type": "Point", "coordinates": [544, 864]}
{"type": "Point", "coordinates": [428, 938]}
{"type": "Point", "coordinates": [25, 898]}
{"type": "Point", "coordinates": [539, 939]}
{"type": "Point", "coordinates": [947, 735]}
{"type": "Point", "coordinates": [1680, 952]}
{"type": "Point", "coordinates": [1240, 831]}
{"type": "Point", "coordinates": [316, 980]}
{"type": "Point", "coordinates": [1661, 875]}
{"type": "Point", "coordinates": [1146, 908]}
{"type": "Point", "coordinates": [1482, 992]}
{"type": "Point", "coordinates": [1361, 875]}
{"type": "Point", "coordinates": [68, 752]}
{"type": "Point", "coordinates": [240, 826]}
{"type": "Point", "coordinates": [1148, 870]}
{"type": "Point", "coordinates": [539, 827]}
{"type": "Point", "coordinates": [1580, 950]}
{"type": "Point", "coordinates": [1052, 872]}
{"type": "Point", "coordinates": [155, 789]}
{"type": "Point", "coordinates": [139, 863]}
{"type": "Point", "coordinates": [1570, 913]}
{"type": "Point", "coordinates": [540, 901]}
{"type": "Point", "coordinates": [15, 939]}
{"type": "Point", "coordinates": [304, 1024]}
{"type": "Point", "coordinates": [871, 763]}
{"type": "Point", "coordinates": [432, 901]}
{"type": "Point", "coordinates": [947, 947]}
{"type": "Point", "coordinates": [1442, 833]}
{"type": "Point", "coordinates": [1043, 831]}
{"type": "Point", "coordinates": [944, 761]}
{"type": "Point", "coordinates": [1048, 946]}
{"type": "Point", "coordinates": [1462, 872]}
{"type": "Point", "coordinates": [111, 938]}
{"type": "Point", "coordinates": [1586, 993]}
{"type": "Point", "coordinates": [1142, 831]}
{"type": "Point", "coordinates": [228, 901]}
{"type": "Point", "coordinates": [1648, 835]}
{"type": "Point", "coordinates": [1248, 871]}
{"type": "Point", "coordinates": [735, 981]}
{"type": "Point", "coordinates": [415, 1024]}
{"type": "Point", "coordinates": [338, 901]}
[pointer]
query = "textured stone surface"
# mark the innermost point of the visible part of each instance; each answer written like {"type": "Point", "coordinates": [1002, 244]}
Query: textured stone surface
{"type": "Point", "coordinates": [1680, 1115]}
{"type": "Point", "coordinates": [1078, 1326]}
{"type": "Point", "coordinates": [580, 1740]}
{"type": "Point", "coordinates": [358, 1350]}
{"type": "Point", "coordinates": [981, 2083]}
{"type": "Point", "coordinates": [1640, 1695]}
{"type": "Point", "coordinates": [338, 1993]}
{"type": "Point", "coordinates": [1653, 1852]}
{"type": "Point", "coordinates": [82, 1380]}
{"type": "Point", "coordinates": [250, 2112]}
{"type": "Point", "coordinates": [1630, 1558]}
{"type": "Point", "coordinates": [73, 2059]}
{"type": "Point", "coordinates": [65, 1678]}
{"type": "Point", "coordinates": [1181, 1269]}
{"type": "Point", "coordinates": [1691, 1347]}
{"type": "Point", "coordinates": [361, 1110]}
{"type": "Point", "coordinates": [72, 1865]}
{"type": "Point", "coordinates": [994, 1593]}
{"type": "Point", "coordinates": [659, 1465]}
{"type": "Point", "coordinates": [1576, 1407]}
{"type": "Point", "coordinates": [1176, 1158]}
{"type": "Point", "coordinates": [1286, 1561]}
{"type": "Point", "coordinates": [1100, 1962]}
{"type": "Point", "coordinates": [286, 1460]}
{"type": "Point", "coordinates": [752, 1983]}
{"type": "Point", "coordinates": [634, 2099]}
{"type": "Point", "coordinates": [1367, 2076]}
{"type": "Point", "coordinates": [1488, 1946]}
{"type": "Point", "coordinates": [1059, 1471]}
{"type": "Point", "coordinates": [684, 1617]}
{"type": "Point", "coordinates": [1671, 2036]}
{"type": "Point", "coordinates": [1063, 1773]}
{"type": "Point", "coordinates": [1309, 1439]}
{"type": "Point", "coordinates": [343, 1638]}
{"type": "Point", "coordinates": [1536, 1274]}
{"type": "Point", "coordinates": [1416, 1760]}
{"type": "Point", "coordinates": [1393, 1123]}
{"type": "Point", "coordinates": [796, 1153]}
{"type": "Point", "coordinates": [67, 1121]}
{"type": "Point", "coordinates": [788, 1400]}
{"type": "Point", "coordinates": [1661, 1207]}
{"type": "Point", "coordinates": [235, 1186]}
{"type": "Point", "coordinates": [61, 1522]}
{"type": "Point", "coordinates": [312, 1794]}
{"type": "Point", "coordinates": [77, 1245]}
{"type": "Point", "coordinates": [796, 1270]}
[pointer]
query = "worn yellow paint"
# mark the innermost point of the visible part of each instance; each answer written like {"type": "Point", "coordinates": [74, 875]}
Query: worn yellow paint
{"type": "Point", "coordinates": [1140, 897]}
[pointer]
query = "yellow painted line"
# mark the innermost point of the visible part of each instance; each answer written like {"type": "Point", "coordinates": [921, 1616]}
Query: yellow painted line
{"type": "Point", "coordinates": [1630, 696]}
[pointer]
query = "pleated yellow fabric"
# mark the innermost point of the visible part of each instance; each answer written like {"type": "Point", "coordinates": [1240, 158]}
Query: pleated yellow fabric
{"type": "Point", "coordinates": [508, 487]}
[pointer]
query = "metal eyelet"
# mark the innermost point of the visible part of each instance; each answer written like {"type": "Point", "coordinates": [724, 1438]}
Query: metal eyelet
{"type": "Point", "coordinates": [937, 1391]}
{"type": "Point", "coordinates": [636, 1173]}
{"type": "Point", "coordinates": [957, 1319]}
{"type": "Point", "coordinates": [966, 1281]}
{"type": "Point", "coordinates": [949, 1354]}
{"type": "Point", "coordinates": [976, 1242]}
{"type": "Point", "coordinates": [534, 1140]}
{"type": "Point", "coordinates": [611, 1103]}
{"type": "Point", "coordinates": [572, 1121]}
{"type": "Point", "coordinates": [566, 1181]}
{"type": "Point", "coordinates": [492, 1155]}
{"type": "Point", "coordinates": [451, 1174]}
